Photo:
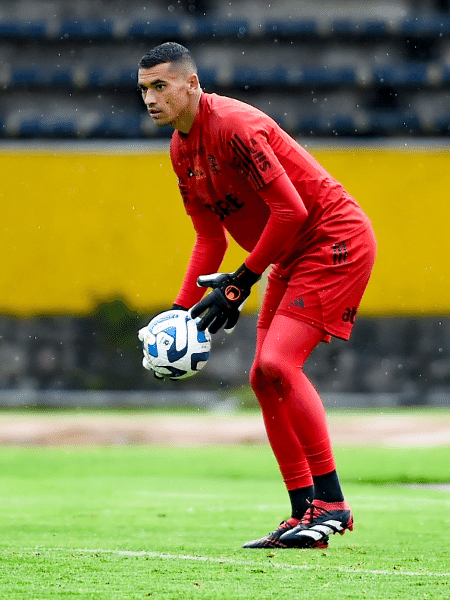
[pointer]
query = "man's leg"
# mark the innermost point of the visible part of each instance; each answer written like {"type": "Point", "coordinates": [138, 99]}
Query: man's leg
{"type": "Point", "coordinates": [286, 448]}
{"type": "Point", "coordinates": [285, 348]}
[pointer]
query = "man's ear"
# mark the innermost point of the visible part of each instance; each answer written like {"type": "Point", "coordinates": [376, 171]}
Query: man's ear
{"type": "Point", "coordinates": [193, 82]}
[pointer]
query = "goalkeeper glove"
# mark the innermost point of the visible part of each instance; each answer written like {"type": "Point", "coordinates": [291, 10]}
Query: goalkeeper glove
{"type": "Point", "coordinates": [224, 303]}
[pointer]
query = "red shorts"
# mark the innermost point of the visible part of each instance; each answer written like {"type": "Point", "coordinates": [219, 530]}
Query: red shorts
{"type": "Point", "coordinates": [323, 287]}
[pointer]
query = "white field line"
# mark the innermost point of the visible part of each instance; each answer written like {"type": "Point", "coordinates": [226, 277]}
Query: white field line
{"type": "Point", "coordinates": [245, 563]}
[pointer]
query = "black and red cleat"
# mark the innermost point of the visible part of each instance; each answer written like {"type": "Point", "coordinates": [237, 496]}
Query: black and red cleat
{"type": "Point", "coordinates": [321, 520]}
{"type": "Point", "coordinates": [272, 539]}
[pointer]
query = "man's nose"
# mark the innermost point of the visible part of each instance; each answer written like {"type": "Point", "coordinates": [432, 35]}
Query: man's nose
{"type": "Point", "coordinates": [148, 97]}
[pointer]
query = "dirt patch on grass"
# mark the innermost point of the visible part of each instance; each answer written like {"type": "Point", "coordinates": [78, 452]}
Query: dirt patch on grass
{"type": "Point", "coordinates": [56, 429]}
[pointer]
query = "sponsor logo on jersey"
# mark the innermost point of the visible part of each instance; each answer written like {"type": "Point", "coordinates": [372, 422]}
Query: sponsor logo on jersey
{"type": "Point", "coordinates": [349, 314]}
{"type": "Point", "coordinates": [224, 208]}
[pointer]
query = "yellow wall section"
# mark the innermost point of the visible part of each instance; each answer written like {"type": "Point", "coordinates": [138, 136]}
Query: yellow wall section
{"type": "Point", "coordinates": [84, 227]}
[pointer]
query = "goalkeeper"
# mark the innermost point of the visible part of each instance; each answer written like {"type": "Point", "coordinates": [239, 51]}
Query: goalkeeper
{"type": "Point", "coordinates": [240, 173]}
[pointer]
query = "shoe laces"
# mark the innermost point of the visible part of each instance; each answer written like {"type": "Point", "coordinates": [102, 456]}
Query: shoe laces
{"type": "Point", "coordinates": [312, 513]}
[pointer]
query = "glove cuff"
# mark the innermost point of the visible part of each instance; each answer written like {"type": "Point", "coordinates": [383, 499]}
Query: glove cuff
{"type": "Point", "coordinates": [245, 278]}
{"type": "Point", "coordinates": [178, 307]}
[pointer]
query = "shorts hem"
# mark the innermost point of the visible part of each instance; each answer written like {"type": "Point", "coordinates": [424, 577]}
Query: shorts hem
{"type": "Point", "coordinates": [328, 332]}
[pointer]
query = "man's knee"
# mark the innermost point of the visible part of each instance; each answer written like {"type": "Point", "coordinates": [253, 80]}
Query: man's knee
{"type": "Point", "coordinates": [274, 370]}
{"type": "Point", "coordinates": [257, 380]}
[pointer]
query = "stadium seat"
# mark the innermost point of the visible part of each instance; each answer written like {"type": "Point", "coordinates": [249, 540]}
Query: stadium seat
{"type": "Point", "coordinates": [335, 76]}
{"type": "Point", "coordinates": [156, 29]}
{"type": "Point", "coordinates": [298, 76]}
{"type": "Point", "coordinates": [358, 27]}
{"type": "Point", "coordinates": [445, 74]}
{"type": "Point", "coordinates": [47, 126]}
{"type": "Point", "coordinates": [31, 30]}
{"type": "Point", "coordinates": [24, 76]}
{"type": "Point", "coordinates": [430, 25]}
{"type": "Point", "coordinates": [385, 122]}
{"type": "Point", "coordinates": [117, 125]}
{"type": "Point", "coordinates": [402, 74]}
{"type": "Point", "coordinates": [341, 125]}
{"type": "Point", "coordinates": [29, 76]}
{"type": "Point", "coordinates": [442, 124]}
{"type": "Point", "coordinates": [89, 30]}
{"type": "Point", "coordinates": [289, 28]}
{"type": "Point", "coordinates": [330, 125]}
{"type": "Point", "coordinates": [59, 76]}
{"type": "Point", "coordinates": [208, 76]}
{"type": "Point", "coordinates": [203, 27]}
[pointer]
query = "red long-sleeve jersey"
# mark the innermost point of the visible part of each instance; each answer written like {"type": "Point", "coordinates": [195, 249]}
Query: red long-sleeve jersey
{"type": "Point", "coordinates": [239, 172]}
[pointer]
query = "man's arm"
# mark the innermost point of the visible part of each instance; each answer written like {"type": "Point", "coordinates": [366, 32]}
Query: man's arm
{"type": "Point", "coordinates": [206, 256]}
{"type": "Point", "coordinates": [287, 215]}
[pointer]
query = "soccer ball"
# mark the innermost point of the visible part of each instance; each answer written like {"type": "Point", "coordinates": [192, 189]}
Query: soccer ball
{"type": "Point", "coordinates": [173, 346]}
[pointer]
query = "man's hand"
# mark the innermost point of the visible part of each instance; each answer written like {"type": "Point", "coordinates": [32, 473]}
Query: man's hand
{"type": "Point", "coordinates": [224, 303]}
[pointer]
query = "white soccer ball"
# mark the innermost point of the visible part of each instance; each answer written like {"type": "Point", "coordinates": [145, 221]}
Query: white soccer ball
{"type": "Point", "coordinates": [173, 346]}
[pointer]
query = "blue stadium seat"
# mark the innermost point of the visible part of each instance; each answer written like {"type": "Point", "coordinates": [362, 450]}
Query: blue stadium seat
{"type": "Point", "coordinates": [442, 124]}
{"type": "Point", "coordinates": [155, 29]}
{"type": "Point", "coordinates": [118, 125]}
{"type": "Point", "coordinates": [47, 126]}
{"type": "Point", "coordinates": [164, 132]}
{"type": "Point", "coordinates": [309, 124]}
{"type": "Point", "coordinates": [247, 76]}
{"type": "Point", "coordinates": [331, 125]}
{"type": "Point", "coordinates": [31, 76]}
{"type": "Point", "coordinates": [341, 125]}
{"type": "Point", "coordinates": [127, 77]}
{"type": "Point", "coordinates": [204, 27]}
{"type": "Point", "coordinates": [61, 127]}
{"type": "Point", "coordinates": [207, 75]}
{"type": "Point", "coordinates": [334, 76]}
{"type": "Point", "coordinates": [388, 122]}
{"type": "Point", "coordinates": [288, 28]}
{"type": "Point", "coordinates": [445, 74]}
{"type": "Point", "coordinates": [59, 76]}
{"type": "Point", "coordinates": [92, 30]}
{"type": "Point", "coordinates": [402, 74]}
{"type": "Point", "coordinates": [309, 76]}
{"type": "Point", "coordinates": [425, 25]}
{"type": "Point", "coordinates": [23, 29]}
{"type": "Point", "coordinates": [368, 27]}
{"type": "Point", "coordinates": [25, 76]}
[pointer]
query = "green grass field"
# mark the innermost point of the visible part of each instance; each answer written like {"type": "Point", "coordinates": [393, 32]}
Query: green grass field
{"type": "Point", "coordinates": [146, 522]}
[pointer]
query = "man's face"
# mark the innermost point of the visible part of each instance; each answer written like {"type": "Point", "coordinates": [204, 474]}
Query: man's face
{"type": "Point", "coordinates": [167, 93]}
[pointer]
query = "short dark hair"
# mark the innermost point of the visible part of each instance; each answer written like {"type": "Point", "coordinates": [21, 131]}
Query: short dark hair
{"type": "Point", "coordinates": [169, 52]}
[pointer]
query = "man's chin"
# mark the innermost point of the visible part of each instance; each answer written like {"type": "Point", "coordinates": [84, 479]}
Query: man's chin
{"type": "Point", "coordinates": [161, 122]}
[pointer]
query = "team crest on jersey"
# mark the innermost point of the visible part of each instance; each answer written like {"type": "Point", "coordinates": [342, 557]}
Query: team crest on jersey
{"type": "Point", "coordinates": [213, 166]}
{"type": "Point", "coordinates": [197, 172]}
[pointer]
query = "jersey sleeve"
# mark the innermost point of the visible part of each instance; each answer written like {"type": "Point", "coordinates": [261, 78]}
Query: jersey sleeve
{"type": "Point", "coordinates": [249, 149]}
{"type": "Point", "coordinates": [287, 216]}
{"type": "Point", "coordinates": [206, 256]}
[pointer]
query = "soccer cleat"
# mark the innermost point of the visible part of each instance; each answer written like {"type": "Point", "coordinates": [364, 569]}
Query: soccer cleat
{"type": "Point", "coordinates": [271, 540]}
{"type": "Point", "coordinates": [321, 520]}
